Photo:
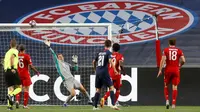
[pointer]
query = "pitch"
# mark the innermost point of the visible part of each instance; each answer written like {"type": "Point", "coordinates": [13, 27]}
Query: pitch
{"type": "Point", "coordinates": [106, 109]}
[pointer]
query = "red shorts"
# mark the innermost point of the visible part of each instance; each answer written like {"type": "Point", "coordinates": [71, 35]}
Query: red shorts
{"type": "Point", "coordinates": [173, 77]}
{"type": "Point", "coordinates": [26, 81]}
{"type": "Point", "coordinates": [117, 83]}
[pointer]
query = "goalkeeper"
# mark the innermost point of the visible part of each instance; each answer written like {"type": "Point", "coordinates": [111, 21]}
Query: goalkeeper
{"type": "Point", "coordinates": [64, 70]}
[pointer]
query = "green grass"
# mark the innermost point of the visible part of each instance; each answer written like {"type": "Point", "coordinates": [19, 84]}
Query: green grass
{"type": "Point", "coordinates": [105, 109]}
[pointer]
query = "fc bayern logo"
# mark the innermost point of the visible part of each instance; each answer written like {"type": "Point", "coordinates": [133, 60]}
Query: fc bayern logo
{"type": "Point", "coordinates": [133, 17]}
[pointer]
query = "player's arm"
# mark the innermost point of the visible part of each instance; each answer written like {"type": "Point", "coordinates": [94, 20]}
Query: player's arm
{"type": "Point", "coordinates": [47, 42]}
{"type": "Point", "coordinates": [28, 58]}
{"type": "Point", "coordinates": [121, 64]}
{"type": "Point", "coordinates": [162, 62]}
{"type": "Point", "coordinates": [34, 69]}
{"type": "Point", "coordinates": [55, 58]}
{"type": "Point", "coordinates": [12, 61]}
{"type": "Point", "coordinates": [94, 63]}
{"type": "Point", "coordinates": [182, 61]}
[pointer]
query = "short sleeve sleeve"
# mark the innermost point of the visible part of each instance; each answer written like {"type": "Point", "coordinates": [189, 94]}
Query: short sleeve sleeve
{"type": "Point", "coordinates": [181, 52]}
{"type": "Point", "coordinates": [164, 52]}
{"type": "Point", "coordinates": [121, 58]}
{"type": "Point", "coordinates": [15, 53]}
{"type": "Point", "coordinates": [28, 58]}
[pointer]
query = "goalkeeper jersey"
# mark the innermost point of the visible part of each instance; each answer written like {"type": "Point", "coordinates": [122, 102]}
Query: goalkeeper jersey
{"type": "Point", "coordinates": [63, 68]}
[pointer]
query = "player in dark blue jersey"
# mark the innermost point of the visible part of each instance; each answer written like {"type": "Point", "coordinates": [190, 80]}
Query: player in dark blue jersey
{"type": "Point", "coordinates": [100, 65]}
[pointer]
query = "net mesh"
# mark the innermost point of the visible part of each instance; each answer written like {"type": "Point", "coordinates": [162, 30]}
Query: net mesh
{"type": "Point", "coordinates": [82, 41]}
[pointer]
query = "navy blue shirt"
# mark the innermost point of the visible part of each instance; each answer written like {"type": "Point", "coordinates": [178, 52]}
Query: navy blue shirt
{"type": "Point", "coordinates": [102, 59]}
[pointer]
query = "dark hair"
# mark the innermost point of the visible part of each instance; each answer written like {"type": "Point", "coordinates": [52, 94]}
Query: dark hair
{"type": "Point", "coordinates": [13, 43]}
{"type": "Point", "coordinates": [21, 47]}
{"type": "Point", "coordinates": [107, 43]}
{"type": "Point", "coordinates": [116, 47]}
{"type": "Point", "coordinates": [172, 41]}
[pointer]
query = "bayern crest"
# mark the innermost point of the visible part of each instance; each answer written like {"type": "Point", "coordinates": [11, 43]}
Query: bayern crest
{"type": "Point", "coordinates": [133, 17]}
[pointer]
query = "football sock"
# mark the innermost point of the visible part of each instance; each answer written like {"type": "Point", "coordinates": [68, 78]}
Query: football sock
{"type": "Point", "coordinates": [174, 95]}
{"type": "Point", "coordinates": [26, 97]}
{"type": "Point", "coordinates": [112, 96]}
{"type": "Point", "coordinates": [96, 99]}
{"type": "Point", "coordinates": [88, 96]}
{"type": "Point", "coordinates": [68, 98]}
{"type": "Point", "coordinates": [18, 97]}
{"type": "Point", "coordinates": [117, 96]}
{"type": "Point", "coordinates": [16, 91]}
{"type": "Point", "coordinates": [106, 95]}
{"type": "Point", "coordinates": [9, 92]}
{"type": "Point", "coordinates": [166, 93]}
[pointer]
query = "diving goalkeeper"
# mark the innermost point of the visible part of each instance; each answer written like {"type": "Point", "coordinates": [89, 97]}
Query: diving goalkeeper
{"type": "Point", "coordinates": [64, 70]}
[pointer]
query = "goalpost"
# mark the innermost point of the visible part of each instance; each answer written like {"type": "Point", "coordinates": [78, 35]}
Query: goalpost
{"type": "Point", "coordinates": [82, 39]}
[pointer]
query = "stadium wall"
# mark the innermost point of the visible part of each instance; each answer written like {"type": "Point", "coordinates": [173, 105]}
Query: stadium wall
{"type": "Point", "coordinates": [140, 87]}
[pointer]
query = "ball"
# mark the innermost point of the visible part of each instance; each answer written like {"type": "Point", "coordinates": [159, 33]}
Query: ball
{"type": "Point", "coordinates": [32, 23]}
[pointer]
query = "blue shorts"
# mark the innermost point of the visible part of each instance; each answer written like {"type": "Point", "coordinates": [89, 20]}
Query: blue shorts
{"type": "Point", "coordinates": [103, 78]}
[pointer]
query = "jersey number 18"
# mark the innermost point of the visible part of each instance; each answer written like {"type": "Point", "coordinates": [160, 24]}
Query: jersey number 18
{"type": "Point", "coordinates": [172, 55]}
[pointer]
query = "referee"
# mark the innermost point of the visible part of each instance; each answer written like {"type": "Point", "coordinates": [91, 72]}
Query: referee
{"type": "Point", "coordinates": [10, 72]}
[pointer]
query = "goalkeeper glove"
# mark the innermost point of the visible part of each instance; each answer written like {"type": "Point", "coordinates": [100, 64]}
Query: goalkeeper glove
{"type": "Point", "coordinates": [75, 59]}
{"type": "Point", "coordinates": [47, 42]}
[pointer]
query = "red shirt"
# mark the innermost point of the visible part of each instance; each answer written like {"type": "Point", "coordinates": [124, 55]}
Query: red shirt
{"type": "Point", "coordinates": [24, 62]}
{"type": "Point", "coordinates": [173, 55]}
{"type": "Point", "coordinates": [116, 58]}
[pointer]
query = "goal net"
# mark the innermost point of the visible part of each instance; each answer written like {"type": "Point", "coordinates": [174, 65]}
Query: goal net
{"type": "Point", "coordinates": [84, 40]}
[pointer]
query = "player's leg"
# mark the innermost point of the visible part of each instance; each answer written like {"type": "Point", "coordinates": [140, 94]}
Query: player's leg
{"type": "Point", "coordinates": [174, 95]}
{"type": "Point", "coordinates": [26, 84]}
{"type": "Point", "coordinates": [98, 85]}
{"type": "Point", "coordinates": [70, 87]}
{"type": "Point", "coordinates": [83, 90]}
{"type": "Point", "coordinates": [10, 84]}
{"type": "Point", "coordinates": [26, 96]}
{"type": "Point", "coordinates": [109, 84]}
{"type": "Point", "coordinates": [18, 96]}
{"type": "Point", "coordinates": [166, 88]}
{"type": "Point", "coordinates": [9, 98]}
{"type": "Point", "coordinates": [107, 94]}
{"type": "Point", "coordinates": [117, 85]}
{"type": "Point", "coordinates": [18, 86]}
{"type": "Point", "coordinates": [72, 94]}
{"type": "Point", "coordinates": [175, 82]}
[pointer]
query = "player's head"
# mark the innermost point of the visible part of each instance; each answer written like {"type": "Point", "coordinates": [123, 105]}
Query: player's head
{"type": "Point", "coordinates": [107, 44]}
{"type": "Point", "coordinates": [13, 43]}
{"type": "Point", "coordinates": [21, 48]}
{"type": "Point", "coordinates": [60, 56]}
{"type": "Point", "coordinates": [116, 47]}
{"type": "Point", "coordinates": [172, 42]}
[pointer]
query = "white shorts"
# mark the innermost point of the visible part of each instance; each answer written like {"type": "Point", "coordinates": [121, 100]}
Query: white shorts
{"type": "Point", "coordinates": [71, 83]}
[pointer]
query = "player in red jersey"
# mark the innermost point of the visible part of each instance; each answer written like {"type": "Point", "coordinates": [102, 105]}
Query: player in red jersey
{"type": "Point", "coordinates": [118, 60]}
{"type": "Point", "coordinates": [23, 71]}
{"type": "Point", "coordinates": [174, 59]}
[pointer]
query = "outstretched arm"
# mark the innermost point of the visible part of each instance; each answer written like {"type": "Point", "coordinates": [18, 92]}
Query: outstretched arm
{"type": "Point", "coordinates": [47, 42]}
